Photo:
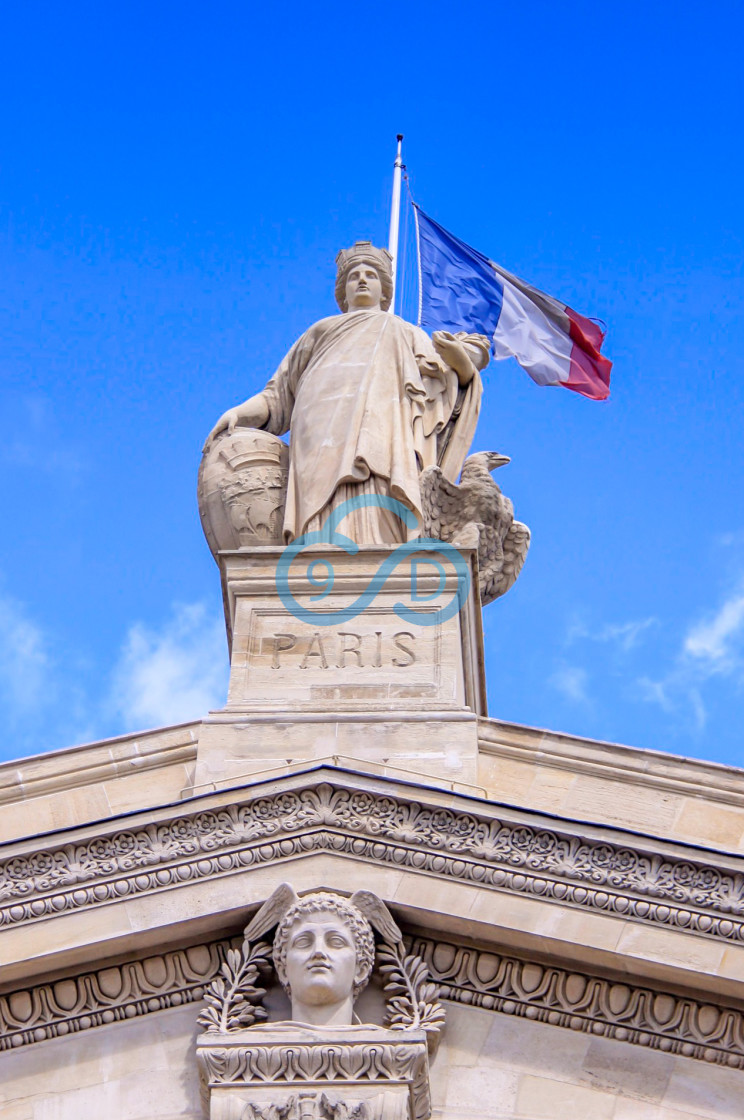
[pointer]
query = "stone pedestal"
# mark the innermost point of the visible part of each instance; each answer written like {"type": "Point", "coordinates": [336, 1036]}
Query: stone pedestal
{"type": "Point", "coordinates": [288, 1070]}
{"type": "Point", "coordinates": [378, 684]}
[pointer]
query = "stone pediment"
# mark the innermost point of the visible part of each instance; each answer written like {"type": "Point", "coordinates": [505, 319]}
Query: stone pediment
{"type": "Point", "coordinates": [466, 868]}
{"type": "Point", "coordinates": [580, 927]}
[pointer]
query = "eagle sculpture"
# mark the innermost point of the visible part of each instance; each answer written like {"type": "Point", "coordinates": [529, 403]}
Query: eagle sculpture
{"type": "Point", "coordinates": [475, 514]}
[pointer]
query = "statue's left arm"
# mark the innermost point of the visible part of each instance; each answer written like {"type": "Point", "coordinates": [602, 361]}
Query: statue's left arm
{"type": "Point", "coordinates": [464, 353]}
{"type": "Point", "coordinates": [445, 420]}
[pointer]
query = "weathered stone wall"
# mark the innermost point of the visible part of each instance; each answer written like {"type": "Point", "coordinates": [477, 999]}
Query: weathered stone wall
{"type": "Point", "coordinates": [139, 1070]}
{"type": "Point", "coordinates": [489, 1067]}
{"type": "Point", "coordinates": [675, 798]}
{"type": "Point", "coordinates": [495, 1067]}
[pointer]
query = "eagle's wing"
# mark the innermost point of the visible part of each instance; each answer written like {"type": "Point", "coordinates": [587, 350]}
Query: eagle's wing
{"type": "Point", "coordinates": [272, 911]}
{"type": "Point", "coordinates": [490, 562]}
{"type": "Point", "coordinates": [497, 579]}
{"type": "Point", "coordinates": [441, 503]}
{"type": "Point", "coordinates": [516, 547]}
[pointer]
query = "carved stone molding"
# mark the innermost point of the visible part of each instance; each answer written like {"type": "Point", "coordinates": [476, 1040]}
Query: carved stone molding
{"type": "Point", "coordinates": [496, 982]}
{"type": "Point", "coordinates": [582, 1002]}
{"type": "Point", "coordinates": [650, 884]}
{"type": "Point", "coordinates": [108, 995]}
{"type": "Point", "coordinates": [288, 1057]}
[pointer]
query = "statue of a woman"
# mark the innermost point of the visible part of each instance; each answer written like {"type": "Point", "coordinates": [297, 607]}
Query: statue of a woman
{"type": "Point", "coordinates": [370, 402]}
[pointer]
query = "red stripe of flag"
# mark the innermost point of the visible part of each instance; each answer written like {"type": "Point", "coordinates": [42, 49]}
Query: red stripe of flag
{"type": "Point", "coordinates": [589, 373]}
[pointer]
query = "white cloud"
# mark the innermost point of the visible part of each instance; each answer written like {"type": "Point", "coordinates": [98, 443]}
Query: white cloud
{"type": "Point", "coordinates": [627, 635]}
{"type": "Point", "coordinates": [714, 640]}
{"type": "Point", "coordinates": [711, 648]}
{"type": "Point", "coordinates": [571, 681]}
{"type": "Point", "coordinates": [655, 692]}
{"type": "Point", "coordinates": [163, 675]}
{"type": "Point", "coordinates": [173, 674]}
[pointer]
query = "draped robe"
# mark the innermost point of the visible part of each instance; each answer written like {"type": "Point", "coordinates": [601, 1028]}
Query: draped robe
{"type": "Point", "coordinates": [366, 399]}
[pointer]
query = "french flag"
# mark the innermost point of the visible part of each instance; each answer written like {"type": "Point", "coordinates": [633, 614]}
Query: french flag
{"type": "Point", "coordinates": [461, 290]}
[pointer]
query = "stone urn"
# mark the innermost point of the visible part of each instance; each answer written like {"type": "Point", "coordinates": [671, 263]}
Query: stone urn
{"type": "Point", "coordinates": [242, 490]}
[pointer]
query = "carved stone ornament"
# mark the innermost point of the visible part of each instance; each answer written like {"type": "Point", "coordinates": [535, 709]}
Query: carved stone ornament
{"type": "Point", "coordinates": [493, 981]}
{"type": "Point", "coordinates": [323, 953]}
{"type": "Point", "coordinates": [475, 514]}
{"type": "Point", "coordinates": [242, 489]}
{"type": "Point", "coordinates": [522, 854]}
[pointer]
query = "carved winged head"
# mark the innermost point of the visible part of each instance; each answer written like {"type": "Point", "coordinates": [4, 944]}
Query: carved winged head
{"type": "Point", "coordinates": [322, 903]}
{"type": "Point", "coordinates": [364, 252]}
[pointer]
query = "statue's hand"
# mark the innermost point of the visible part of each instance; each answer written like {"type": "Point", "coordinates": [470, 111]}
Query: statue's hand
{"type": "Point", "coordinates": [253, 413]}
{"type": "Point", "coordinates": [452, 351]}
{"type": "Point", "coordinates": [227, 422]}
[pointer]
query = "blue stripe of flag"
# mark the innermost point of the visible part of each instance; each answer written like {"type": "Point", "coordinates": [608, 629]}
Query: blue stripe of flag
{"type": "Point", "coordinates": [459, 289]}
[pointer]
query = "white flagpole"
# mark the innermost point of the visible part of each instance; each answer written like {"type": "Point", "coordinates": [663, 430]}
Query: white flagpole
{"type": "Point", "coordinates": [395, 217]}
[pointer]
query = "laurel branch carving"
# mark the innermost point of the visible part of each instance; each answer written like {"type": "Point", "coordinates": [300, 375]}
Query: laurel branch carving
{"type": "Point", "coordinates": [233, 999]}
{"type": "Point", "coordinates": [645, 885]}
{"type": "Point", "coordinates": [412, 997]}
{"type": "Point", "coordinates": [496, 982]}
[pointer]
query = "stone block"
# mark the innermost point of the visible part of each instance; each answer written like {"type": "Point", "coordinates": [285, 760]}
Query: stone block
{"type": "Point", "coordinates": [397, 682]}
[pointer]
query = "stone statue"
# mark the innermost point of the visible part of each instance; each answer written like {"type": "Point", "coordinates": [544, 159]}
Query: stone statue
{"type": "Point", "coordinates": [476, 514]}
{"type": "Point", "coordinates": [323, 1064]}
{"type": "Point", "coordinates": [370, 401]}
{"type": "Point", "coordinates": [324, 951]}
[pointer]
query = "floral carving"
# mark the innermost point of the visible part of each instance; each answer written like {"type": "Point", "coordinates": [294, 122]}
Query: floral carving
{"type": "Point", "coordinates": [347, 1061]}
{"type": "Point", "coordinates": [94, 999]}
{"type": "Point", "coordinates": [380, 1061]}
{"type": "Point", "coordinates": [315, 1106]}
{"type": "Point", "coordinates": [550, 994]}
{"type": "Point", "coordinates": [646, 885]}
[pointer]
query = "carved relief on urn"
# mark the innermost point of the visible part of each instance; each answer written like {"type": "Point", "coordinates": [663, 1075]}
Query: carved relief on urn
{"type": "Point", "coordinates": [242, 490]}
{"type": "Point", "coordinates": [323, 1063]}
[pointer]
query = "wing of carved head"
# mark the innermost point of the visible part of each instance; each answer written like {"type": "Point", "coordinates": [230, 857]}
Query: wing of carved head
{"type": "Point", "coordinates": [378, 915]}
{"type": "Point", "coordinates": [272, 912]}
{"type": "Point", "coordinates": [442, 504]}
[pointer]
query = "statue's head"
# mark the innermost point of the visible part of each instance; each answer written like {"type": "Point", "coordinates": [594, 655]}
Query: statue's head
{"type": "Point", "coordinates": [324, 950]}
{"type": "Point", "coordinates": [363, 257]}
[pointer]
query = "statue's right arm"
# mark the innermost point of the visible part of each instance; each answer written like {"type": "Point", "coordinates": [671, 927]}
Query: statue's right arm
{"type": "Point", "coordinates": [272, 408]}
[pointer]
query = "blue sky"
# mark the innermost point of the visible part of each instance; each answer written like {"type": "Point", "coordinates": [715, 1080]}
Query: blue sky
{"type": "Point", "coordinates": [175, 181]}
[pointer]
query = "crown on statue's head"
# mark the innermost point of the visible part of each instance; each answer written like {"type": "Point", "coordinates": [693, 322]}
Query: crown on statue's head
{"type": "Point", "coordinates": [364, 252]}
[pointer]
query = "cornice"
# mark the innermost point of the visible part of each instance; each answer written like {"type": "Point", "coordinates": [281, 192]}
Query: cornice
{"type": "Point", "coordinates": [658, 770]}
{"type": "Point", "coordinates": [427, 831]}
{"type": "Point", "coordinates": [497, 982]}
{"type": "Point", "coordinates": [84, 765]}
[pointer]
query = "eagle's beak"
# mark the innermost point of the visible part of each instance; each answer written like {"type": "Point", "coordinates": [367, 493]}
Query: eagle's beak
{"type": "Point", "coordinates": [495, 460]}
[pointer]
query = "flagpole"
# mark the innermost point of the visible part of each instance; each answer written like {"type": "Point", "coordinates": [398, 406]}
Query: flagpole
{"type": "Point", "coordinates": [395, 217]}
